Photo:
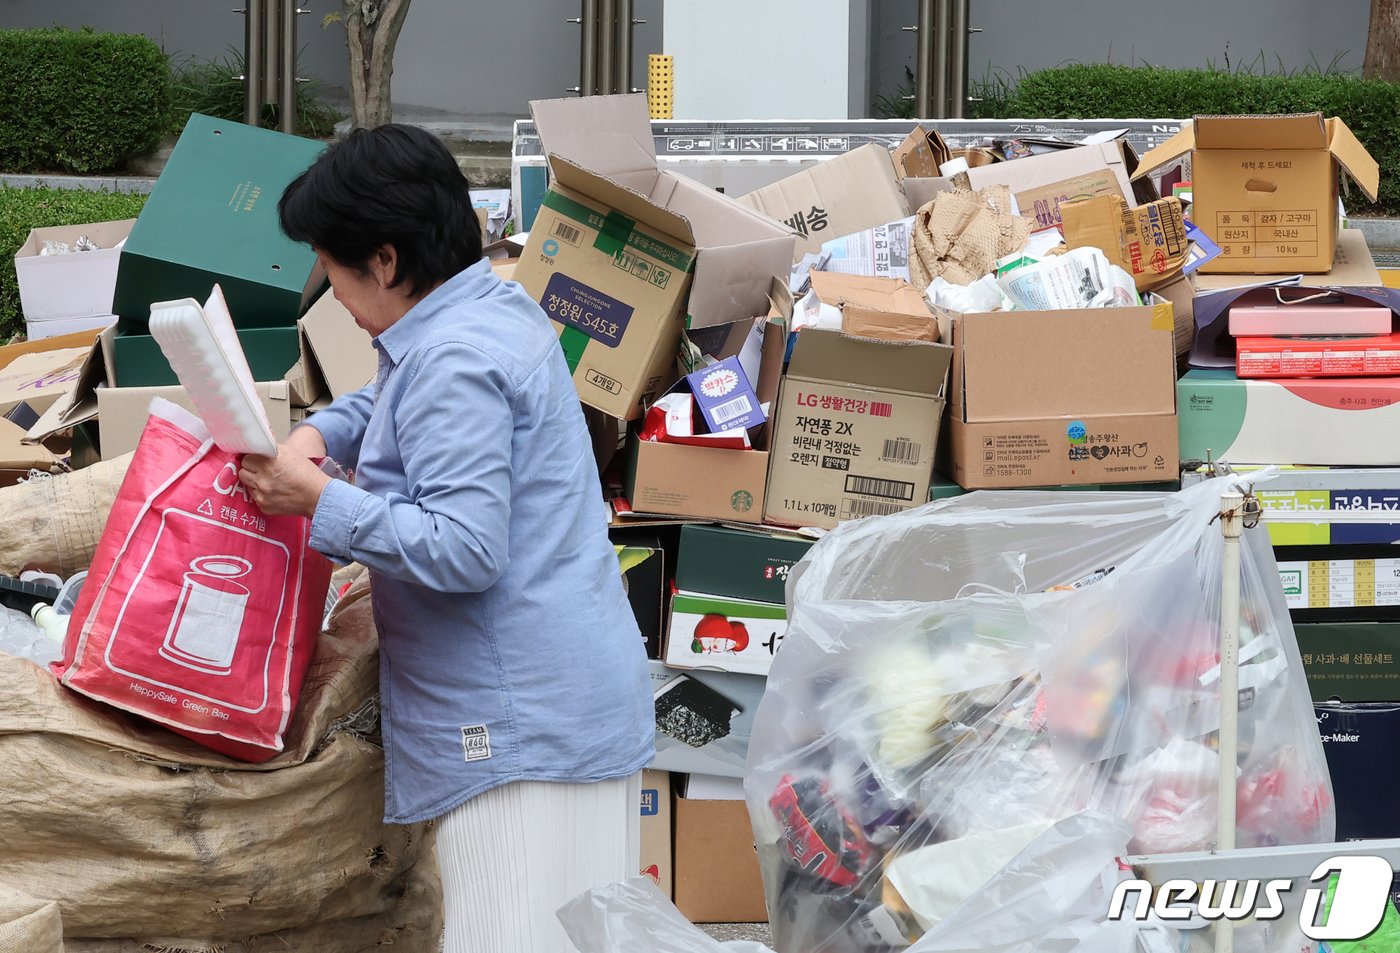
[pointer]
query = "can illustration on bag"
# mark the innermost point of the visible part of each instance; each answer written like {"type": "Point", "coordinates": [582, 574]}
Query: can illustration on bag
{"type": "Point", "coordinates": [203, 635]}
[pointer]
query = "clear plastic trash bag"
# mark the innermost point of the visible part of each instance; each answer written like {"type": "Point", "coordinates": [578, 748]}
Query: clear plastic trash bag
{"type": "Point", "coordinates": [958, 680]}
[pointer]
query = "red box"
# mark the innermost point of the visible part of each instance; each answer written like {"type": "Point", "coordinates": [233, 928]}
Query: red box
{"type": "Point", "coordinates": [1318, 357]}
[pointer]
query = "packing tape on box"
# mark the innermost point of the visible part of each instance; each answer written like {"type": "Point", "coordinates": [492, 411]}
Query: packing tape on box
{"type": "Point", "coordinates": [613, 235]}
{"type": "Point", "coordinates": [1163, 318]}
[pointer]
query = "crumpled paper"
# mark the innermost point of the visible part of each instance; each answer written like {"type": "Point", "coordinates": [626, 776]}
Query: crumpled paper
{"type": "Point", "coordinates": [960, 236]}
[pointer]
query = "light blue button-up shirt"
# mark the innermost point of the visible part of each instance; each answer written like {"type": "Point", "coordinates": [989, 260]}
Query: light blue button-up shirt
{"type": "Point", "coordinates": [508, 650]}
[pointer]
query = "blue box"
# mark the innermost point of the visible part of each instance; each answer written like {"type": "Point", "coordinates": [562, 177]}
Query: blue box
{"type": "Point", "coordinates": [724, 397]}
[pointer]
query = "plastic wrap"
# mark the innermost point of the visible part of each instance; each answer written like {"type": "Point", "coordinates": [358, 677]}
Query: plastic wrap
{"type": "Point", "coordinates": [959, 681]}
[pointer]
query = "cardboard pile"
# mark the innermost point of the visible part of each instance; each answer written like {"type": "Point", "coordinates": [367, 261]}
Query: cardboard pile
{"type": "Point", "coordinates": [211, 219]}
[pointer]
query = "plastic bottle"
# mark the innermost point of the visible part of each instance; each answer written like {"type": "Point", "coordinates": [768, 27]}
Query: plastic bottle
{"type": "Point", "coordinates": [957, 169]}
{"type": "Point", "coordinates": [53, 625]}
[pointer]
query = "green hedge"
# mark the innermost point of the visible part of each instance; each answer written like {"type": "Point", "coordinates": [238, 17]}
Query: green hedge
{"type": "Point", "coordinates": [23, 209]}
{"type": "Point", "coordinates": [78, 100]}
{"type": "Point", "coordinates": [1370, 107]}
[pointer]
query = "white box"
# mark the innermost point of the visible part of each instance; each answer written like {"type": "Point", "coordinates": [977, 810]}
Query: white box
{"type": "Point", "coordinates": [56, 327]}
{"type": "Point", "coordinates": [75, 285]}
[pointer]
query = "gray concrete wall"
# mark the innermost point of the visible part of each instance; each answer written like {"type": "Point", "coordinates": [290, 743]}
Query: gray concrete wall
{"type": "Point", "coordinates": [470, 58]}
{"type": "Point", "coordinates": [1033, 34]}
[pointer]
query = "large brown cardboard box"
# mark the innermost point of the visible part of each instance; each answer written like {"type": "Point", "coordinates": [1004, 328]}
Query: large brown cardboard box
{"type": "Point", "coordinates": [840, 196]}
{"type": "Point", "coordinates": [1062, 398]}
{"type": "Point", "coordinates": [667, 479]}
{"type": "Point", "coordinates": [1265, 187]}
{"type": "Point", "coordinates": [920, 154]}
{"type": "Point", "coordinates": [1353, 266]}
{"type": "Point", "coordinates": [336, 355]}
{"type": "Point", "coordinates": [622, 256]}
{"type": "Point", "coordinates": [717, 879]}
{"type": "Point", "coordinates": [1148, 242]}
{"type": "Point", "coordinates": [856, 428]}
{"type": "Point", "coordinates": [886, 309]}
{"type": "Point", "coordinates": [656, 812]}
{"type": "Point", "coordinates": [1040, 184]}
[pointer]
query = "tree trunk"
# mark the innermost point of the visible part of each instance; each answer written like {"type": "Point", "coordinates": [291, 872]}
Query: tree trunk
{"type": "Point", "coordinates": [1383, 42]}
{"type": "Point", "coordinates": [372, 30]}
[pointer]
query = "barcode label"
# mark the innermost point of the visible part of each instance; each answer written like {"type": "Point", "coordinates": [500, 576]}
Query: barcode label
{"type": "Point", "coordinates": [874, 486]}
{"type": "Point", "coordinates": [902, 450]}
{"type": "Point", "coordinates": [855, 509]}
{"type": "Point", "coordinates": [566, 232]}
{"type": "Point", "coordinates": [878, 409]}
{"type": "Point", "coordinates": [731, 409]}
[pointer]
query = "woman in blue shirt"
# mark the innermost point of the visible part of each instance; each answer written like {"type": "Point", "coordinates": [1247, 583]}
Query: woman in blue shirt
{"type": "Point", "coordinates": [513, 680]}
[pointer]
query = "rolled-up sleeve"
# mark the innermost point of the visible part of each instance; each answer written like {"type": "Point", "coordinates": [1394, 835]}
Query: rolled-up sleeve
{"type": "Point", "coordinates": [342, 425]}
{"type": "Point", "coordinates": [453, 427]}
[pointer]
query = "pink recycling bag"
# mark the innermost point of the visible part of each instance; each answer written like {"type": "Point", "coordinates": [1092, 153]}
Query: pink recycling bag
{"type": "Point", "coordinates": [200, 611]}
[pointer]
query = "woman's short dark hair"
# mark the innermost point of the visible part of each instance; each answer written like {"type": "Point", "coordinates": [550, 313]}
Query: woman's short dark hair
{"type": "Point", "coordinates": [393, 185]}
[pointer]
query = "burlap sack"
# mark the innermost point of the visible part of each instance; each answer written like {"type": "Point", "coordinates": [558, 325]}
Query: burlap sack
{"type": "Point", "coordinates": [137, 832]}
{"type": "Point", "coordinates": [54, 523]}
{"type": "Point", "coordinates": [960, 236]}
{"type": "Point", "coordinates": [28, 925]}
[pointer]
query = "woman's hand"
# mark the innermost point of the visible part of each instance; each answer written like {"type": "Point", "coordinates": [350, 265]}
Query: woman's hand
{"type": "Point", "coordinates": [285, 485]}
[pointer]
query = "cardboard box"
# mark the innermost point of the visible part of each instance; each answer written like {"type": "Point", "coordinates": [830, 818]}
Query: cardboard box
{"type": "Point", "coordinates": [740, 564]}
{"type": "Point", "coordinates": [643, 560]}
{"type": "Point", "coordinates": [918, 192]}
{"type": "Point", "coordinates": [1268, 318]}
{"type": "Point", "coordinates": [1036, 401]}
{"type": "Point", "coordinates": [1265, 187]}
{"type": "Point", "coordinates": [716, 866]}
{"type": "Point", "coordinates": [1351, 661]}
{"type": "Point", "coordinates": [723, 635]}
{"type": "Point", "coordinates": [1353, 266]}
{"type": "Point", "coordinates": [38, 378]}
{"type": "Point", "coordinates": [1041, 184]}
{"type": "Point", "coordinates": [920, 155]}
{"type": "Point", "coordinates": [839, 196]}
{"type": "Point", "coordinates": [666, 479]}
{"type": "Point", "coordinates": [1266, 357]}
{"type": "Point", "coordinates": [887, 309]}
{"type": "Point", "coordinates": [723, 398]}
{"type": "Point", "coordinates": [1360, 741]}
{"type": "Point", "coordinates": [139, 361]}
{"type": "Point", "coordinates": [946, 488]}
{"type": "Point", "coordinates": [856, 428]}
{"type": "Point", "coordinates": [17, 458]}
{"type": "Point", "coordinates": [335, 357]}
{"type": "Point", "coordinates": [601, 149]}
{"type": "Point", "coordinates": [75, 285]}
{"type": "Point", "coordinates": [704, 719]}
{"type": "Point", "coordinates": [1148, 242]}
{"type": "Point", "coordinates": [212, 217]}
{"type": "Point", "coordinates": [1332, 422]}
{"type": "Point", "coordinates": [1341, 583]}
{"type": "Point", "coordinates": [656, 829]}
{"type": "Point", "coordinates": [122, 412]}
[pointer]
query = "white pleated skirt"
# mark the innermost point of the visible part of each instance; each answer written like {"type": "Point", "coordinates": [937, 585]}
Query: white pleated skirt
{"type": "Point", "coordinates": [513, 856]}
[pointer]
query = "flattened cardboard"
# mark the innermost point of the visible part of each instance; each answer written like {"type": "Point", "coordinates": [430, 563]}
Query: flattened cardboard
{"type": "Point", "coordinates": [840, 196]}
{"type": "Point", "coordinates": [1032, 404]}
{"type": "Point", "coordinates": [17, 458]}
{"type": "Point", "coordinates": [717, 875]}
{"type": "Point", "coordinates": [1040, 184]}
{"type": "Point", "coordinates": [38, 376]}
{"type": "Point", "coordinates": [122, 412]}
{"type": "Point", "coordinates": [336, 356]}
{"type": "Point", "coordinates": [918, 192]}
{"type": "Point", "coordinates": [920, 154]}
{"type": "Point", "coordinates": [656, 814]}
{"type": "Point", "coordinates": [856, 428]}
{"type": "Point", "coordinates": [10, 352]}
{"type": "Point", "coordinates": [886, 309]}
{"type": "Point", "coordinates": [75, 285]}
{"type": "Point", "coordinates": [1264, 188]}
{"type": "Point", "coordinates": [738, 251]}
{"type": "Point", "coordinates": [1148, 242]}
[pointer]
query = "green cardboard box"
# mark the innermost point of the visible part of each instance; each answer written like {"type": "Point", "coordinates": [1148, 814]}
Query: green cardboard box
{"type": "Point", "coordinates": [212, 218]}
{"type": "Point", "coordinates": [1351, 661]}
{"type": "Point", "coordinates": [139, 361]}
{"type": "Point", "coordinates": [739, 564]}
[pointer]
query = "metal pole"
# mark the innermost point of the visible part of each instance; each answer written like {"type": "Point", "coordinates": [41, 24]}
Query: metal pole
{"type": "Point", "coordinates": [1231, 525]}
{"type": "Point", "coordinates": [957, 61]}
{"type": "Point", "coordinates": [607, 45]}
{"type": "Point", "coordinates": [272, 49]}
{"type": "Point", "coordinates": [588, 48]}
{"type": "Point", "coordinates": [253, 62]}
{"type": "Point", "coordinates": [287, 106]}
{"type": "Point", "coordinates": [622, 53]}
{"type": "Point", "coordinates": [942, 41]}
{"type": "Point", "coordinates": [923, 64]}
